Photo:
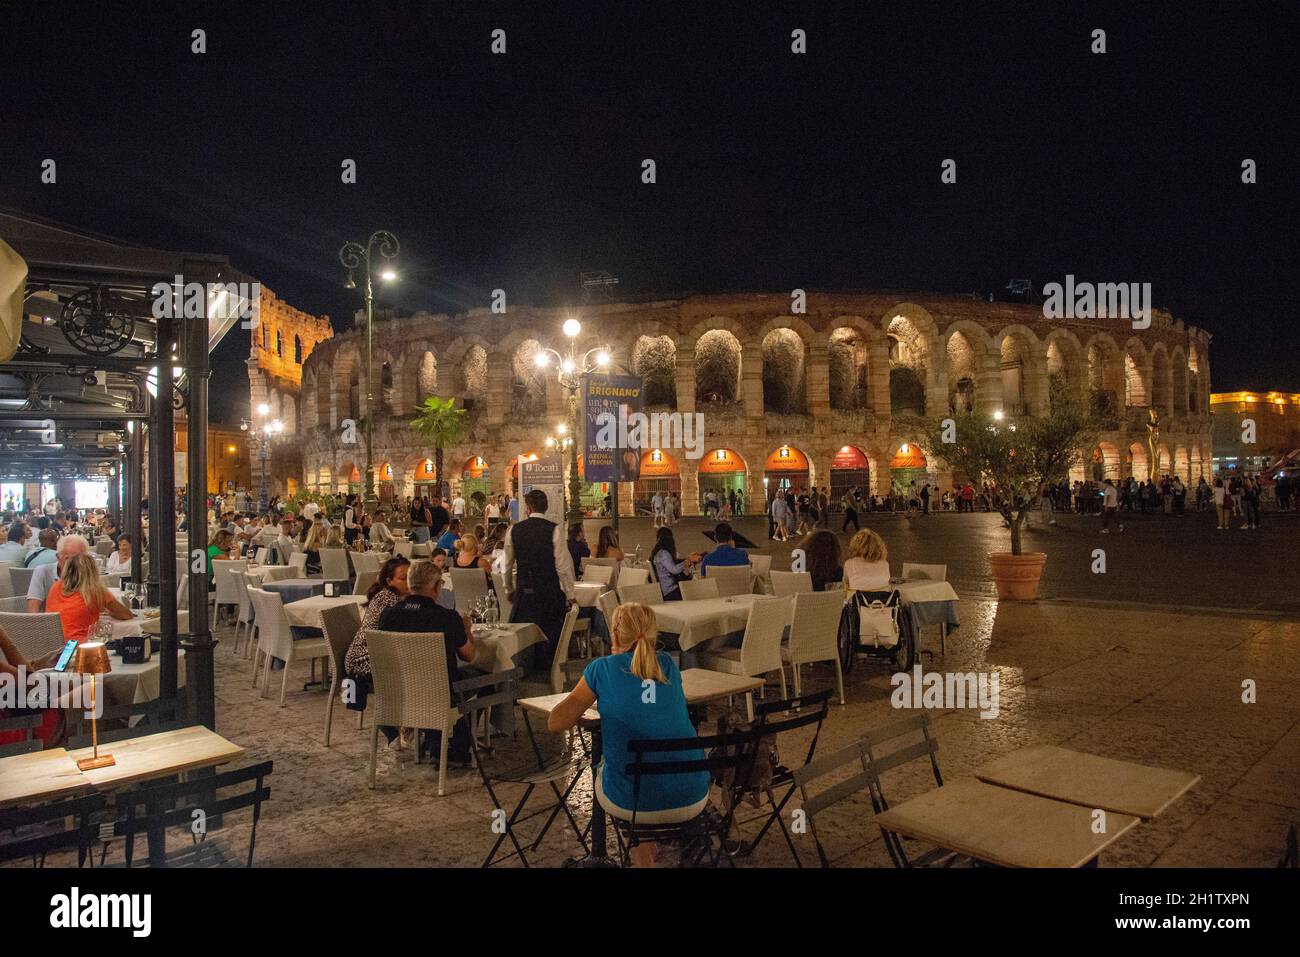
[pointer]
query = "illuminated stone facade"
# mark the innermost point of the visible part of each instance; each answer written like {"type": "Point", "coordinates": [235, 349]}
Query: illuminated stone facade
{"type": "Point", "coordinates": [1274, 419]}
{"type": "Point", "coordinates": [832, 396]}
{"type": "Point", "coordinates": [278, 348]}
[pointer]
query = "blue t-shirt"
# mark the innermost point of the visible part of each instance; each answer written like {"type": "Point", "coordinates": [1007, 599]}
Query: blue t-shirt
{"type": "Point", "coordinates": [447, 542]}
{"type": "Point", "coordinates": [723, 555]}
{"type": "Point", "coordinates": [628, 714]}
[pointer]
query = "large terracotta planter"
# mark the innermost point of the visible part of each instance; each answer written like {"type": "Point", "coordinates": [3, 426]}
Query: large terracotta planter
{"type": "Point", "coordinates": [1016, 576]}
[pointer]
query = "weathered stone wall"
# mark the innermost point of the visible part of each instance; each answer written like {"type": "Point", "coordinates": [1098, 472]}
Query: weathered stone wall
{"type": "Point", "coordinates": [763, 378]}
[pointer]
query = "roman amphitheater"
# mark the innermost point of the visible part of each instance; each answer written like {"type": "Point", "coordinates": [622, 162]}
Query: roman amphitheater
{"type": "Point", "coordinates": [832, 396]}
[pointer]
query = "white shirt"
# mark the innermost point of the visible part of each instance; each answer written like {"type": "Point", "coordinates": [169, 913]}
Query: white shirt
{"type": "Point", "coordinates": [116, 565]}
{"type": "Point", "coordinates": [862, 575]}
{"type": "Point", "coordinates": [43, 580]}
{"type": "Point", "coordinates": [458, 506]}
{"type": "Point", "coordinates": [309, 510]}
{"type": "Point", "coordinates": [1110, 498]}
{"type": "Point", "coordinates": [492, 511]}
{"type": "Point", "coordinates": [380, 534]}
{"type": "Point", "coordinates": [563, 561]}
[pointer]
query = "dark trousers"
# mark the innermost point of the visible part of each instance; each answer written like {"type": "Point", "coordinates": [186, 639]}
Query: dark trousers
{"type": "Point", "coordinates": [850, 515]}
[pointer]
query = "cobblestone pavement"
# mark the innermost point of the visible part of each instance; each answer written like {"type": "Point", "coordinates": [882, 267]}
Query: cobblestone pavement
{"type": "Point", "coordinates": [1159, 688]}
{"type": "Point", "coordinates": [1157, 559]}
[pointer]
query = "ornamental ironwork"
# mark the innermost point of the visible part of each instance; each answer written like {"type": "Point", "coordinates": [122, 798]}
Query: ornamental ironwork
{"type": "Point", "coordinates": [98, 321]}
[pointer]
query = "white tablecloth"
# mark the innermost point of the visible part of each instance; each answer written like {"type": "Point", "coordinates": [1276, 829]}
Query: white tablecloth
{"type": "Point", "coordinates": [694, 622]}
{"type": "Point", "coordinates": [587, 593]}
{"type": "Point", "coordinates": [305, 612]}
{"type": "Point", "coordinates": [496, 651]}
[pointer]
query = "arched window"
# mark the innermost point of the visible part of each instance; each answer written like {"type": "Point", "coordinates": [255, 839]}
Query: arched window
{"type": "Point", "coordinates": [297, 349]}
{"type": "Point", "coordinates": [279, 344]}
{"type": "Point", "coordinates": [266, 343]}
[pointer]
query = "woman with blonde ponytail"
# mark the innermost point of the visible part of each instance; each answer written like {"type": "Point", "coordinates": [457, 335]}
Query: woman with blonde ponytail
{"type": "Point", "coordinates": [640, 695]}
{"type": "Point", "coordinates": [79, 598]}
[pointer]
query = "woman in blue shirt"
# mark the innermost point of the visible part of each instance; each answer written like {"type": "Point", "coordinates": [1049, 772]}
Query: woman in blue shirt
{"type": "Point", "coordinates": [668, 569]}
{"type": "Point", "coordinates": [639, 693]}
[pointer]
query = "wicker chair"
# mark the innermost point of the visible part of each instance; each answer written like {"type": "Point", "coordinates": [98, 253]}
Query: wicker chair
{"type": "Point", "coordinates": [598, 573]}
{"type": "Point", "coordinates": [697, 588]}
{"type": "Point", "coordinates": [760, 649]}
{"type": "Point", "coordinates": [562, 667]}
{"type": "Point", "coordinates": [275, 641]}
{"type": "Point", "coordinates": [20, 579]}
{"type": "Point", "coordinates": [334, 564]}
{"type": "Point", "coordinates": [467, 585]}
{"type": "Point", "coordinates": [341, 624]}
{"type": "Point", "coordinates": [814, 634]}
{"type": "Point", "coordinates": [227, 593]}
{"type": "Point", "coordinates": [646, 594]}
{"type": "Point", "coordinates": [409, 670]}
{"type": "Point", "coordinates": [732, 579]}
{"type": "Point", "coordinates": [364, 562]}
{"type": "Point", "coordinates": [791, 583]}
{"type": "Point", "coordinates": [34, 635]}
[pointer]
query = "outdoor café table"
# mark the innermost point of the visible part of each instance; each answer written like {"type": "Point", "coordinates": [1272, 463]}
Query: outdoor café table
{"type": "Point", "coordinates": [292, 589]}
{"type": "Point", "coordinates": [1004, 827]}
{"type": "Point", "coordinates": [496, 650]}
{"type": "Point", "coordinates": [1091, 781]}
{"type": "Point", "coordinates": [693, 622]}
{"type": "Point", "coordinates": [699, 687]}
{"type": "Point", "coordinates": [586, 593]}
{"type": "Point", "coordinates": [130, 683]}
{"type": "Point", "coordinates": [305, 612]}
{"type": "Point", "coordinates": [271, 573]}
{"type": "Point", "coordinates": [929, 603]}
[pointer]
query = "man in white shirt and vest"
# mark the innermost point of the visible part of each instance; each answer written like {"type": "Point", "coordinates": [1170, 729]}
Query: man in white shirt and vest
{"type": "Point", "coordinates": [539, 571]}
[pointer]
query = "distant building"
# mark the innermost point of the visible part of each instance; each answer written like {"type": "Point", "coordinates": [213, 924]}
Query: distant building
{"type": "Point", "coordinates": [279, 345]}
{"type": "Point", "coordinates": [833, 397]}
{"type": "Point", "coordinates": [1276, 419]}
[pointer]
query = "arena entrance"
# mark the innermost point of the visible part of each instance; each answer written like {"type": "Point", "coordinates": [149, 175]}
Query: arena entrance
{"type": "Point", "coordinates": [786, 468]}
{"type": "Point", "coordinates": [849, 468]}
{"type": "Point", "coordinates": [659, 473]}
{"type": "Point", "coordinates": [908, 465]}
{"type": "Point", "coordinates": [723, 471]}
{"type": "Point", "coordinates": [475, 484]}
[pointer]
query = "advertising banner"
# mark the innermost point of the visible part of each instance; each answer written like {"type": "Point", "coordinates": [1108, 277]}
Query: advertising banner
{"type": "Point", "coordinates": [607, 403]}
{"type": "Point", "coordinates": [545, 473]}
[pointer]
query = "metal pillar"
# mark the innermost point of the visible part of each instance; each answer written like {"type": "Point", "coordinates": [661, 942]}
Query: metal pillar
{"type": "Point", "coordinates": [199, 676]}
{"type": "Point", "coordinates": [134, 476]}
{"type": "Point", "coordinates": [162, 516]}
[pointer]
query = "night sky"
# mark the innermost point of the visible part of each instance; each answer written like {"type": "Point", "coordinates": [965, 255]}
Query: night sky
{"type": "Point", "coordinates": [775, 170]}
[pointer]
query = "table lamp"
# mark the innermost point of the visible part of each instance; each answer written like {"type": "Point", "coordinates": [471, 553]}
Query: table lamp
{"type": "Point", "coordinates": [92, 659]}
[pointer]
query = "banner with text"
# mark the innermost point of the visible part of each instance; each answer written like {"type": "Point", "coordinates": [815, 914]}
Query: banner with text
{"type": "Point", "coordinates": [607, 401]}
{"type": "Point", "coordinates": [547, 474]}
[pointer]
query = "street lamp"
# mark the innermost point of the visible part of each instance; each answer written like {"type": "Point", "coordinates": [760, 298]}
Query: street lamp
{"type": "Point", "coordinates": [263, 432]}
{"type": "Point", "coordinates": [561, 441]}
{"type": "Point", "coordinates": [355, 256]}
{"type": "Point", "coordinates": [570, 371]}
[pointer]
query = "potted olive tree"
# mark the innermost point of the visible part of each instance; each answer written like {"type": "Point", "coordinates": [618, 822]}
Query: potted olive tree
{"type": "Point", "coordinates": [1019, 456]}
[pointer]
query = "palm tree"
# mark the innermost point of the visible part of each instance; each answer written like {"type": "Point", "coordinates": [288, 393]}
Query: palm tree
{"type": "Point", "coordinates": [442, 424]}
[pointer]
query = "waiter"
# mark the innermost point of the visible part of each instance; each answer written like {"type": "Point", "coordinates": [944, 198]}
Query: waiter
{"type": "Point", "coordinates": [539, 571]}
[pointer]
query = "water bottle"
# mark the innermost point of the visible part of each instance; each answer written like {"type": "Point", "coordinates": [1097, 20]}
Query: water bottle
{"type": "Point", "coordinates": [493, 613]}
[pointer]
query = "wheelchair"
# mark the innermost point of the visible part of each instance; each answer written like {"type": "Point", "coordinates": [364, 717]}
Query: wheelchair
{"type": "Point", "coordinates": [901, 654]}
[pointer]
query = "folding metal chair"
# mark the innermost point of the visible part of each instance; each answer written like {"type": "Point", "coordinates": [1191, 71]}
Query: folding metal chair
{"type": "Point", "coordinates": [478, 696]}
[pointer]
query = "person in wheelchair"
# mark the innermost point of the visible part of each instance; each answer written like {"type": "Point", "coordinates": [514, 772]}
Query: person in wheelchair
{"type": "Point", "coordinates": [641, 698]}
{"type": "Point", "coordinates": [866, 568]}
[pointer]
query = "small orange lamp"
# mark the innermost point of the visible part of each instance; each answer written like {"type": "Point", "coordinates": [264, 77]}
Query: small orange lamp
{"type": "Point", "coordinates": [92, 659]}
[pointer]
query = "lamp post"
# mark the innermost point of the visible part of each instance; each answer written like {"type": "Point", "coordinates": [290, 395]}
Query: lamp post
{"type": "Point", "coordinates": [562, 441]}
{"type": "Point", "coordinates": [263, 432]}
{"type": "Point", "coordinates": [355, 256]}
{"type": "Point", "coordinates": [570, 371]}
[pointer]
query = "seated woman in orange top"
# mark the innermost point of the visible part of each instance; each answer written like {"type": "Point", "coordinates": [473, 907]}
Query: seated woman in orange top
{"type": "Point", "coordinates": [79, 598]}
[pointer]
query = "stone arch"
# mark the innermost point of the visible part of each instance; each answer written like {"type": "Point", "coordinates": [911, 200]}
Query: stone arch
{"type": "Point", "coordinates": [289, 414]}
{"type": "Point", "coordinates": [1065, 362]}
{"type": "Point", "coordinates": [654, 359]}
{"type": "Point", "coordinates": [1166, 464]}
{"type": "Point", "coordinates": [468, 355]}
{"type": "Point", "coordinates": [1178, 377]}
{"type": "Point", "coordinates": [1022, 370]}
{"type": "Point", "coordinates": [849, 365]}
{"type": "Point", "coordinates": [1198, 377]}
{"type": "Point", "coordinates": [1162, 380]}
{"type": "Point", "coordinates": [785, 370]}
{"type": "Point", "coordinates": [1105, 367]}
{"type": "Point", "coordinates": [1139, 461]}
{"type": "Point", "coordinates": [965, 346]}
{"type": "Point", "coordinates": [910, 332]}
{"type": "Point", "coordinates": [1137, 374]}
{"type": "Point", "coordinates": [528, 381]}
{"type": "Point", "coordinates": [310, 415]}
{"type": "Point", "coordinates": [718, 368]}
{"type": "Point", "coordinates": [1107, 456]}
{"type": "Point", "coordinates": [385, 386]}
{"type": "Point", "coordinates": [346, 373]}
{"type": "Point", "coordinates": [1183, 464]}
{"type": "Point", "coordinates": [417, 376]}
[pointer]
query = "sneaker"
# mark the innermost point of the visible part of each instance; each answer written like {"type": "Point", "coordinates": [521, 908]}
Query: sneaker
{"type": "Point", "coordinates": [1105, 531]}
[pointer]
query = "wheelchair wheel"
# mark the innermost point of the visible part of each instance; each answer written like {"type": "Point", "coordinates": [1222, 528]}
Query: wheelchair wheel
{"type": "Point", "coordinates": [904, 653]}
